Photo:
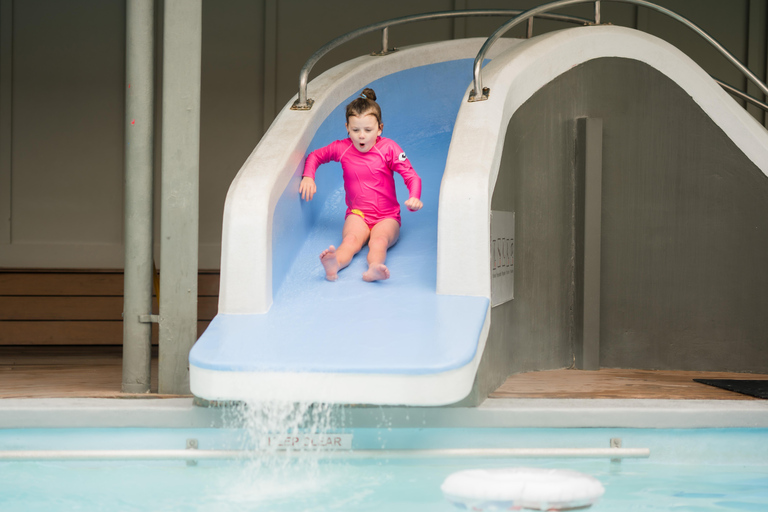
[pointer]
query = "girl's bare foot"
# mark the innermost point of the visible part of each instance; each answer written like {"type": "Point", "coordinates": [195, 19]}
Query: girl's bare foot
{"type": "Point", "coordinates": [377, 272]}
{"type": "Point", "coordinates": [330, 263]}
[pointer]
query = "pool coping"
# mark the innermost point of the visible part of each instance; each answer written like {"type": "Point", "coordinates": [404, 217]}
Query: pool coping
{"type": "Point", "coordinates": [493, 413]}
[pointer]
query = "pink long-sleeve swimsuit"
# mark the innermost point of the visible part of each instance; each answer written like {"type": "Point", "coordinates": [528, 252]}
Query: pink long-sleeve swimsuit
{"type": "Point", "coordinates": [369, 177]}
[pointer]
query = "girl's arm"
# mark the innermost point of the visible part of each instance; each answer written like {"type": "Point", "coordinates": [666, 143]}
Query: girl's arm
{"type": "Point", "coordinates": [401, 165]}
{"type": "Point", "coordinates": [307, 187]}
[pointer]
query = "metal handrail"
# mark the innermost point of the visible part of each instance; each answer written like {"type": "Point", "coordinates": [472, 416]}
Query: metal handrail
{"type": "Point", "coordinates": [744, 96]}
{"type": "Point", "coordinates": [303, 103]}
{"type": "Point", "coordinates": [195, 455]}
{"type": "Point", "coordinates": [479, 92]}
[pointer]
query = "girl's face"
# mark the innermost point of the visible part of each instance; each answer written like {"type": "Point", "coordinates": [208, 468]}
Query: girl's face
{"type": "Point", "coordinates": [363, 131]}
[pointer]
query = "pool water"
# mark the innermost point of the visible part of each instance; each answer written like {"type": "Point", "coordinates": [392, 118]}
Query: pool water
{"type": "Point", "coordinates": [703, 470]}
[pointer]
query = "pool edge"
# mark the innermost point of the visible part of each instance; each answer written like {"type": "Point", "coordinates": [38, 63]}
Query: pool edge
{"type": "Point", "coordinates": [493, 413]}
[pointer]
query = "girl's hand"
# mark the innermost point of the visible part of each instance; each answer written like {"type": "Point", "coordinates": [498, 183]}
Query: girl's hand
{"type": "Point", "coordinates": [414, 204]}
{"type": "Point", "coordinates": [307, 188]}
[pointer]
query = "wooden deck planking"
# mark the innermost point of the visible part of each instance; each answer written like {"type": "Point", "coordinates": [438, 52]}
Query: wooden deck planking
{"type": "Point", "coordinates": [618, 383]}
{"type": "Point", "coordinates": [66, 372]}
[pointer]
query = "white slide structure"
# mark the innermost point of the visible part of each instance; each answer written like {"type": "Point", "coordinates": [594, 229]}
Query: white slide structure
{"type": "Point", "coordinates": [285, 333]}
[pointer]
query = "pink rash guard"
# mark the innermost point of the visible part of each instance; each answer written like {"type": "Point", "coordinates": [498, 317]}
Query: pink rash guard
{"type": "Point", "coordinates": [368, 177]}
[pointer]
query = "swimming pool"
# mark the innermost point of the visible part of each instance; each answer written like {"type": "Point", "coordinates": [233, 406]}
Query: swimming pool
{"type": "Point", "coordinates": [689, 469]}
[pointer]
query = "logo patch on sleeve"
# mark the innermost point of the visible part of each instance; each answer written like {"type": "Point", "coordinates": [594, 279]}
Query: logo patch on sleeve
{"type": "Point", "coordinates": [402, 157]}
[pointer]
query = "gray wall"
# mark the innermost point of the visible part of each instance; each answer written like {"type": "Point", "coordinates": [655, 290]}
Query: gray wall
{"type": "Point", "coordinates": [61, 181]}
{"type": "Point", "coordinates": [684, 284]}
{"type": "Point", "coordinates": [534, 331]}
{"type": "Point", "coordinates": [62, 94]}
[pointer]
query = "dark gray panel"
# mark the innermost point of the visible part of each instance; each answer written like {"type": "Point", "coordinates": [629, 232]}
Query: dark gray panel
{"type": "Point", "coordinates": [684, 228]}
{"type": "Point", "coordinates": [727, 22]}
{"type": "Point", "coordinates": [587, 241]}
{"type": "Point", "coordinates": [303, 27]}
{"type": "Point", "coordinates": [685, 220]}
{"type": "Point", "coordinates": [537, 185]}
{"type": "Point", "coordinates": [68, 111]}
{"type": "Point", "coordinates": [231, 104]}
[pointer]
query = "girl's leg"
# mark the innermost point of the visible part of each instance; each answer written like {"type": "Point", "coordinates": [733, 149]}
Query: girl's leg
{"type": "Point", "coordinates": [354, 235]}
{"type": "Point", "coordinates": [383, 236]}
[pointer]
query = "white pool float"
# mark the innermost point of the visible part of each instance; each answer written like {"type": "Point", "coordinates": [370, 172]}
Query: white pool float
{"type": "Point", "coordinates": [519, 488]}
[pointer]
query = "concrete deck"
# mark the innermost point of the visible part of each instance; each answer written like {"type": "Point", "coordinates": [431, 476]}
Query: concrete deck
{"type": "Point", "coordinates": [494, 413]}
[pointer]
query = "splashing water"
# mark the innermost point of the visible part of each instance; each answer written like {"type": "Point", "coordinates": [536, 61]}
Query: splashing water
{"type": "Point", "coordinates": [281, 442]}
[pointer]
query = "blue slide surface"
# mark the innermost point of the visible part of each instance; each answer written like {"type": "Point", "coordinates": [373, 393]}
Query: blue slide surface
{"type": "Point", "coordinates": [397, 326]}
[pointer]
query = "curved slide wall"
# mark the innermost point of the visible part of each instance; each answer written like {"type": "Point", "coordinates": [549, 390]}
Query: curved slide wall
{"type": "Point", "coordinates": [285, 333]}
{"type": "Point", "coordinates": [397, 342]}
{"type": "Point", "coordinates": [476, 150]}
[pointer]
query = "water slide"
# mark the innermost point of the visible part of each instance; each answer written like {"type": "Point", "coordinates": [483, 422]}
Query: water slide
{"type": "Point", "coordinates": [285, 333]}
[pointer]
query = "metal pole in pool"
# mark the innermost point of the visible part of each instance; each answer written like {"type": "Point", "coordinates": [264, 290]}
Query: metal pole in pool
{"type": "Point", "coordinates": [139, 134]}
{"type": "Point", "coordinates": [182, 47]}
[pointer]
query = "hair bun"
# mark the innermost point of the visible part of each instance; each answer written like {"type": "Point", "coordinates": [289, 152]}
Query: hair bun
{"type": "Point", "coordinates": [369, 94]}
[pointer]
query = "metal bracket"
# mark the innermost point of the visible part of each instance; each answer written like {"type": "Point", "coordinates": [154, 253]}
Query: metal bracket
{"type": "Point", "coordinates": [149, 319]}
{"type": "Point", "coordinates": [474, 97]}
{"type": "Point", "coordinates": [308, 106]}
{"type": "Point", "coordinates": [386, 52]}
{"type": "Point", "coordinates": [192, 444]}
{"type": "Point", "coordinates": [615, 443]}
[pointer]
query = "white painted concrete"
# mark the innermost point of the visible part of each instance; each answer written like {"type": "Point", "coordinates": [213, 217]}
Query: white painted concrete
{"type": "Point", "coordinates": [246, 260]}
{"type": "Point", "coordinates": [493, 413]}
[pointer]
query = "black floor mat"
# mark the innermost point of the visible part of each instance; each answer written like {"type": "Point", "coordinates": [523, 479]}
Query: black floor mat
{"type": "Point", "coordinates": [756, 388]}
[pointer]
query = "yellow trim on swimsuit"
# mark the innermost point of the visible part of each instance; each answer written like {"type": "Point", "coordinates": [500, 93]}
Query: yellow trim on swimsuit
{"type": "Point", "coordinates": [358, 212]}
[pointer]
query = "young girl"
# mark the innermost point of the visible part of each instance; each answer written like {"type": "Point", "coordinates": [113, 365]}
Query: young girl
{"type": "Point", "coordinates": [373, 213]}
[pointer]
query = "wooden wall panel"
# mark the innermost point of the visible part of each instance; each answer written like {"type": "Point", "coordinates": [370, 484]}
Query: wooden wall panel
{"type": "Point", "coordinates": [28, 283]}
{"type": "Point", "coordinates": [77, 308]}
{"type": "Point", "coordinates": [80, 308]}
{"type": "Point", "coordinates": [70, 332]}
{"type": "Point", "coordinates": [37, 283]}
